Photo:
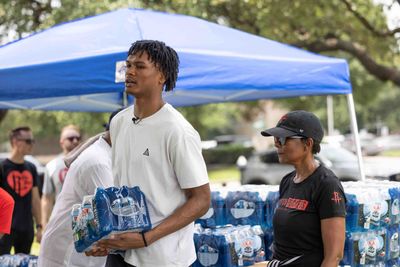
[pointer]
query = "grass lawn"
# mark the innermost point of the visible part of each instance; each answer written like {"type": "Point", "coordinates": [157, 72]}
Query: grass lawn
{"type": "Point", "coordinates": [35, 248]}
{"type": "Point", "coordinates": [391, 153]}
{"type": "Point", "coordinates": [224, 174]}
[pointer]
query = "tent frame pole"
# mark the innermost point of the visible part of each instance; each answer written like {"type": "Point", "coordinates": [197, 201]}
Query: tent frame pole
{"type": "Point", "coordinates": [124, 99]}
{"type": "Point", "coordinates": [354, 130]}
{"type": "Point", "coordinates": [329, 112]}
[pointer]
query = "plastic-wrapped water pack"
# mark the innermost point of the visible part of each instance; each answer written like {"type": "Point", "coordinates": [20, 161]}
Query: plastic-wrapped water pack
{"type": "Point", "coordinates": [110, 210]}
{"type": "Point", "coordinates": [18, 260]}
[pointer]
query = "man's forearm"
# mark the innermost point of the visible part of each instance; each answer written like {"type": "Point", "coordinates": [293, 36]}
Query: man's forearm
{"type": "Point", "coordinates": [197, 205]}
{"type": "Point", "coordinates": [47, 203]}
{"type": "Point", "coordinates": [36, 205]}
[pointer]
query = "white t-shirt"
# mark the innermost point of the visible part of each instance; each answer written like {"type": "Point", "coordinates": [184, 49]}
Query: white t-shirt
{"type": "Point", "coordinates": [162, 155]}
{"type": "Point", "coordinates": [90, 170]}
{"type": "Point", "coordinates": [56, 172]}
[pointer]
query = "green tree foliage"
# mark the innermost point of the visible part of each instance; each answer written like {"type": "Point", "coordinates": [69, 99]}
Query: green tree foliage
{"type": "Point", "coordinates": [46, 124]}
{"type": "Point", "coordinates": [353, 29]}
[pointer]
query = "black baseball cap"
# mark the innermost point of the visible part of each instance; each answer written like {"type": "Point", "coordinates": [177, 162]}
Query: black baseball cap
{"type": "Point", "coordinates": [300, 123]}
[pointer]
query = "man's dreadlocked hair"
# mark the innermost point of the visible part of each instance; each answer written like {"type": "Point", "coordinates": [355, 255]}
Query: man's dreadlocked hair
{"type": "Point", "coordinates": [164, 58]}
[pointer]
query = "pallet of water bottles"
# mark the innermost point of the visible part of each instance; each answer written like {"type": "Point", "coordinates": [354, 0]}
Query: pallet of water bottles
{"type": "Point", "coordinates": [229, 246]}
{"type": "Point", "coordinates": [18, 260]}
{"type": "Point", "coordinates": [372, 223]}
{"type": "Point", "coordinates": [237, 228]}
{"type": "Point", "coordinates": [242, 205]}
{"type": "Point", "coordinates": [110, 210]}
{"type": "Point", "coordinates": [372, 218]}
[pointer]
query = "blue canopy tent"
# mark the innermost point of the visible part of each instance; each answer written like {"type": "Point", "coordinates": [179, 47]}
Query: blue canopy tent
{"type": "Point", "coordinates": [79, 65]}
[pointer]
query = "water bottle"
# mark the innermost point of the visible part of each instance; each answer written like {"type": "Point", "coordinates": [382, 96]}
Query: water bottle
{"type": "Point", "coordinates": [395, 205]}
{"type": "Point", "coordinates": [74, 214]}
{"type": "Point", "coordinates": [258, 243]}
{"type": "Point", "coordinates": [352, 212]}
{"type": "Point", "coordinates": [244, 208]}
{"type": "Point", "coordinates": [91, 223]}
{"type": "Point", "coordinates": [208, 253]}
{"type": "Point", "coordinates": [393, 248]}
{"type": "Point", "coordinates": [270, 206]}
{"type": "Point", "coordinates": [102, 212]}
{"type": "Point", "coordinates": [129, 209]}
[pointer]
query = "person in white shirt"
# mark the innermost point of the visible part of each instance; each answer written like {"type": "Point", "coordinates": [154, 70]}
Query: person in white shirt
{"type": "Point", "coordinates": [155, 148]}
{"type": "Point", "coordinates": [91, 169]}
{"type": "Point", "coordinates": [56, 170]}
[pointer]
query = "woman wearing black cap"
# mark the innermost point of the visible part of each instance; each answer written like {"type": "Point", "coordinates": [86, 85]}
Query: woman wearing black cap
{"type": "Point", "coordinates": [309, 222]}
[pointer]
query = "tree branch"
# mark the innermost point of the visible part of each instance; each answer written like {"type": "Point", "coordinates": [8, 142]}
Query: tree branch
{"type": "Point", "coordinates": [367, 24]}
{"type": "Point", "coordinates": [332, 43]}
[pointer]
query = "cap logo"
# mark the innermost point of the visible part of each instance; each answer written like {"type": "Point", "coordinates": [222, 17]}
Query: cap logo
{"type": "Point", "coordinates": [283, 118]}
{"type": "Point", "coordinates": [301, 130]}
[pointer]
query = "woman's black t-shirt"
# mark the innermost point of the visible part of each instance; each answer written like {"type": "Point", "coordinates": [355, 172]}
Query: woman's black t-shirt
{"type": "Point", "coordinates": [297, 219]}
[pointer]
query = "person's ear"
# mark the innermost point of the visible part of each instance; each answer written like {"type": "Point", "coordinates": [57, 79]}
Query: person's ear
{"type": "Point", "coordinates": [161, 79]}
{"type": "Point", "coordinates": [308, 143]}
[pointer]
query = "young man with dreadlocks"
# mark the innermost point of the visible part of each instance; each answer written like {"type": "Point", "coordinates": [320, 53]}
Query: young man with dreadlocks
{"type": "Point", "coordinates": [155, 148]}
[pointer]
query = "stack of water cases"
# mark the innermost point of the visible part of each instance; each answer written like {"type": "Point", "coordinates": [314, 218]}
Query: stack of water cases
{"type": "Point", "coordinates": [111, 210]}
{"type": "Point", "coordinates": [237, 229]}
{"type": "Point", "coordinates": [372, 223]}
{"type": "Point", "coordinates": [18, 260]}
{"type": "Point", "coordinates": [229, 246]}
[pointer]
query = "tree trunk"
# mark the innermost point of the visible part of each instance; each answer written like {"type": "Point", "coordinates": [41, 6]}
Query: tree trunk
{"type": "Point", "coordinates": [3, 113]}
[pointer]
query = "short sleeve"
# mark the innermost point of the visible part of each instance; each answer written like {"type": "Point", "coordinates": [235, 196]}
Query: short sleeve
{"type": "Point", "coordinates": [188, 161]}
{"type": "Point", "coordinates": [330, 199]}
{"type": "Point", "coordinates": [48, 186]}
{"type": "Point", "coordinates": [35, 176]}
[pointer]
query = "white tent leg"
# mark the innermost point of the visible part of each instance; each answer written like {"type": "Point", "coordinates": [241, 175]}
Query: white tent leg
{"type": "Point", "coordinates": [329, 107]}
{"type": "Point", "coordinates": [124, 99]}
{"type": "Point", "coordinates": [354, 129]}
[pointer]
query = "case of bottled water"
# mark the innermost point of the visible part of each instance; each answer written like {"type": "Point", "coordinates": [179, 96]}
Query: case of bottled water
{"type": "Point", "coordinates": [18, 260]}
{"type": "Point", "coordinates": [229, 246]}
{"type": "Point", "coordinates": [111, 210]}
{"type": "Point", "coordinates": [215, 214]}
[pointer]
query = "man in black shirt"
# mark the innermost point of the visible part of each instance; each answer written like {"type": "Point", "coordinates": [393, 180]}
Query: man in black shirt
{"type": "Point", "coordinates": [19, 178]}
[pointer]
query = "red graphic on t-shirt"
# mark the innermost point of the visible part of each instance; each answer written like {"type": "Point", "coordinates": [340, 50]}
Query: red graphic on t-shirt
{"type": "Point", "coordinates": [336, 197]}
{"type": "Point", "coordinates": [61, 174]}
{"type": "Point", "coordinates": [294, 203]}
{"type": "Point", "coordinates": [20, 182]}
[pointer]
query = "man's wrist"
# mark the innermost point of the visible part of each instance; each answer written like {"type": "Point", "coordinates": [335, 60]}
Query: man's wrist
{"type": "Point", "coordinates": [144, 238]}
{"type": "Point", "coordinates": [39, 226]}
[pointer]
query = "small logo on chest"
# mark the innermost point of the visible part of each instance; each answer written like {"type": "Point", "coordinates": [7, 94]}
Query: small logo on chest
{"type": "Point", "coordinates": [146, 153]}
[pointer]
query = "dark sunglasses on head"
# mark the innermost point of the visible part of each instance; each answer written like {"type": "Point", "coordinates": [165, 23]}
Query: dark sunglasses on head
{"type": "Point", "coordinates": [72, 138]}
{"type": "Point", "coordinates": [282, 140]}
{"type": "Point", "coordinates": [27, 141]}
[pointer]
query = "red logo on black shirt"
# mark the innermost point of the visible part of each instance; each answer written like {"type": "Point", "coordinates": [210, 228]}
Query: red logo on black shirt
{"type": "Point", "coordinates": [20, 182]}
{"type": "Point", "coordinates": [294, 203]}
{"type": "Point", "coordinates": [336, 197]}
